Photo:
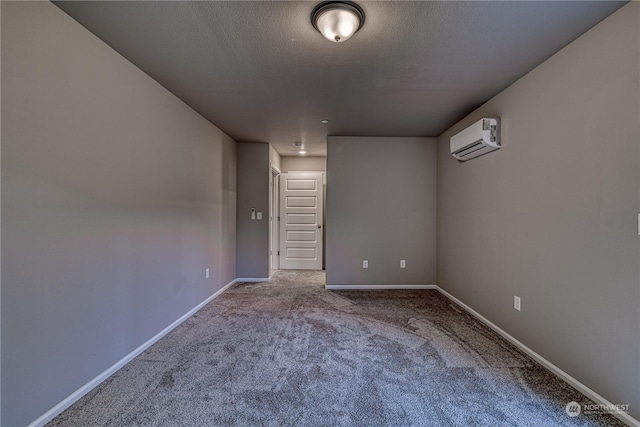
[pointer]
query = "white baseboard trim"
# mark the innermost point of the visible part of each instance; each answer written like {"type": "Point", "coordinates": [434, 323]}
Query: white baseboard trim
{"type": "Point", "coordinates": [381, 287]}
{"type": "Point", "coordinates": [625, 418]}
{"type": "Point", "coordinates": [252, 279]}
{"type": "Point", "coordinates": [76, 395]}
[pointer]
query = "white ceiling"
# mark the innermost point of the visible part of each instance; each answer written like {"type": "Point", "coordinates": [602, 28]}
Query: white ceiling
{"type": "Point", "coordinates": [261, 72]}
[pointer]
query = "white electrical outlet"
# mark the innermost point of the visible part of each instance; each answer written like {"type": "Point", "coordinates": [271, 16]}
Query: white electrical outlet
{"type": "Point", "coordinates": [365, 263]}
{"type": "Point", "coordinates": [403, 263]}
{"type": "Point", "coordinates": [206, 273]}
{"type": "Point", "coordinates": [516, 302]}
{"type": "Point", "coordinates": [259, 216]}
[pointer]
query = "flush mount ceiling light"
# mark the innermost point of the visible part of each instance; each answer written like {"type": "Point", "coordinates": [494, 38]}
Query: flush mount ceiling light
{"type": "Point", "coordinates": [337, 21]}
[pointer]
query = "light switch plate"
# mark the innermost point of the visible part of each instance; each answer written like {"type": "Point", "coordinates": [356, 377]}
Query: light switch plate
{"type": "Point", "coordinates": [259, 215]}
{"type": "Point", "coordinates": [365, 263]}
{"type": "Point", "coordinates": [516, 302]}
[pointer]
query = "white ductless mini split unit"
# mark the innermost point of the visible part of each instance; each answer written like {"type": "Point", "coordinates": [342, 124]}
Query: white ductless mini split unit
{"type": "Point", "coordinates": [480, 138]}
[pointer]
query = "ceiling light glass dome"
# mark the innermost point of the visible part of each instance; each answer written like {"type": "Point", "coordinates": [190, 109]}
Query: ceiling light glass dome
{"type": "Point", "coordinates": [337, 21]}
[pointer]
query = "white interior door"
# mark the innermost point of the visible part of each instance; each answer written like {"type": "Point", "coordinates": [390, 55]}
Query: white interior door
{"type": "Point", "coordinates": [301, 221]}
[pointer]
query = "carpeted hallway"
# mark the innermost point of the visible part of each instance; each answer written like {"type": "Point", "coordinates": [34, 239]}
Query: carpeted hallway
{"type": "Point", "coordinates": [291, 353]}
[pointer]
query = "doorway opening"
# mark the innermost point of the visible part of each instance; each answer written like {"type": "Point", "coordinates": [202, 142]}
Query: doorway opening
{"type": "Point", "coordinates": [274, 220]}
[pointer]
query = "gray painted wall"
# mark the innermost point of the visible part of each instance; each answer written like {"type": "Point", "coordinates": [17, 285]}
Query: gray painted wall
{"type": "Point", "coordinates": [115, 198]}
{"type": "Point", "coordinates": [305, 164]}
{"type": "Point", "coordinates": [274, 157]}
{"type": "Point", "coordinates": [552, 216]}
{"type": "Point", "coordinates": [252, 256]}
{"type": "Point", "coordinates": [381, 206]}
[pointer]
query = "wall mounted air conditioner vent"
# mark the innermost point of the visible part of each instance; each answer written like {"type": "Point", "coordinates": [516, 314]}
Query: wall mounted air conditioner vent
{"type": "Point", "coordinates": [480, 138]}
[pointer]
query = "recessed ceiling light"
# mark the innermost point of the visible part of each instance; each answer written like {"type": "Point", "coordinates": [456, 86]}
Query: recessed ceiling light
{"type": "Point", "coordinates": [325, 121]}
{"type": "Point", "coordinates": [302, 152]}
{"type": "Point", "coordinates": [337, 21]}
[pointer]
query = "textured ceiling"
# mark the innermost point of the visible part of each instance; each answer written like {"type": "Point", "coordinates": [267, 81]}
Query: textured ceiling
{"type": "Point", "coordinates": [260, 72]}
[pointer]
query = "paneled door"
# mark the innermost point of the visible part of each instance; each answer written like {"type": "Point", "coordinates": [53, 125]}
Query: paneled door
{"type": "Point", "coordinates": [301, 221]}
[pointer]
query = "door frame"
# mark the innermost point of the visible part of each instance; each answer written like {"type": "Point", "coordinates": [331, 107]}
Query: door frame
{"type": "Point", "coordinates": [274, 219]}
